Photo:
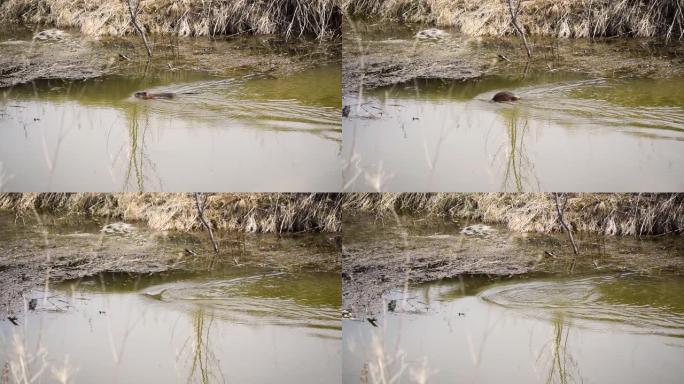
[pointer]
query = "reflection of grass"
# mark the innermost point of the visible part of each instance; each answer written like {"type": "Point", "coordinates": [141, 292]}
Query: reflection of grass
{"type": "Point", "coordinates": [517, 162]}
{"type": "Point", "coordinates": [203, 358]}
{"type": "Point", "coordinates": [135, 160]}
{"type": "Point", "coordinates": [562, 363]}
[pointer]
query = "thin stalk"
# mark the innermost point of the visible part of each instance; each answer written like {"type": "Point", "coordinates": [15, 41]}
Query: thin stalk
{"type": "Point", "coordinates": [514, 20]}
{"type": "Point", "coordinates": [134, 19]}
{"type": "Point", "coordinates": [200, 214]}
{"type": "Point", "coordinates": [560, 208]}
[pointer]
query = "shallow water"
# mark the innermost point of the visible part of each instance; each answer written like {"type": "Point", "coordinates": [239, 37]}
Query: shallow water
{"type": "Point", "coordinates": [570, 131]}
{"type": "Point", "coordinates": [226, 327]}
{"type": "Point", "coordinates": [245, 132]}
{"type": "Point", "coordinates": [591, 329]}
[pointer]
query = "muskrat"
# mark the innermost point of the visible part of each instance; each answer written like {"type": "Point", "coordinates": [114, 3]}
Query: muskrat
{"type": "Point", "coordinates": [150, 96]}
{"type": "Point", "coordinates": [505, 96]}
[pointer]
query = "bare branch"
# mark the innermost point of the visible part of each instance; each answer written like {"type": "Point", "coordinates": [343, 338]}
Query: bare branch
{"type": "Point", "coordinates": [201, 204]}
{"type": "Point", "coordinates": [133, 12]}
{"type": "Point", "coordinates": [560, 208]}
{"type": "Point", "coordinates": [514, 20]}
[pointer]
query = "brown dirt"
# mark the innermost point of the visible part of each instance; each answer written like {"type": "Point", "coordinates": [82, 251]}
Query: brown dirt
{"type": "Point", "coordinates": [78, 58]}
{"type": "Point", "coordinates": [372, 63]}
{"type": "Point", "coordinates": [383, 54]}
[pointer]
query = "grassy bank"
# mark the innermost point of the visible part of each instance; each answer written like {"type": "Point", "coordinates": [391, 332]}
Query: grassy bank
{"type": "Point", "coordinates": [610, 214]}
{"type": "Point", "coordinates": [184, 18]}
{"type": "Point", "coordinates": [271, 212]}
{"type": "Point", "coordinates": [562, 18]}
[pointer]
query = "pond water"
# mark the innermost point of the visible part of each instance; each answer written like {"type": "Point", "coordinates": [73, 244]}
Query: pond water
{"type": "Point", "coordinates": [571, 130]}
{"type": "Point", "coordinates": [618, 328]}
{"type": "Point", "coordinates": [225, 326]}
{"type": "Point", "coordinates": [241, 132]}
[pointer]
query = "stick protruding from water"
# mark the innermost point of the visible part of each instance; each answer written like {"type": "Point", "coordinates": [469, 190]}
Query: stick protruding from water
{"type": "Point", "coordinates": [133, 11]}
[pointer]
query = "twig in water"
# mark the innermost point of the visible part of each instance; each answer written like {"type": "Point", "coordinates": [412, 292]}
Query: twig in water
{"type": "Point", "coordinates": [200, 214]}
{"type": "Point", "coordinates": [514, 20]}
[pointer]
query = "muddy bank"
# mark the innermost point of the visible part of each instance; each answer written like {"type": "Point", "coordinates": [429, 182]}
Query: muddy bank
{"type": "Point", "coordinates": [391, 56]}
{"type": "Point", "coordinates": [73, 56]}
{"type": "Point", "coordinates": [385, 53]}
{"type": "Point", "coordinates": [384, 254]}
{"type": "Point", "coordinates": [42, 250]}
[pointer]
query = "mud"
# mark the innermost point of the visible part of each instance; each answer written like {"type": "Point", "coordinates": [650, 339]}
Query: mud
{"type": "Point", "coordinates": [377, 55]}
{"type": "Point", "coordinates": [36, 253]}
{"type": "Point", "coordinates": [75, 57]}
{"type": "Point", "coordinates": [386, 60]}
{"type": "Point", "coordinates": [381, 255]}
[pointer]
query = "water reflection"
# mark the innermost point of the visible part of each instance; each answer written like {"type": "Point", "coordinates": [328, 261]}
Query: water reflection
{"type": "Point", "coordinates": [451, 331]}
{"type": "Point", "coordinates": [561, 364]}
{"type": "Point", "coordinates": [201, 329]}
{"type": "Point", "coordinates": [252, 131]}
{"type": "Point", "coordinates": [567, 133]}
{"type": "Point", "coordinates": [518, 174]}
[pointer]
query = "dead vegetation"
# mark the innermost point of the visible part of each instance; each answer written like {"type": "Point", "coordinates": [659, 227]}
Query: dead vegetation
{"type": "Point", "coordinates": [608, 214]}
{"type": "Point", "coordinates": [565, 18]}
{"type": "Point", "coordinates": [254, 213]}
{"type": "Point", "coordinates": [183, 18]}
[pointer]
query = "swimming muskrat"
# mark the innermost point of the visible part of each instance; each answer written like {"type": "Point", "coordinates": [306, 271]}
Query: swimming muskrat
{"type": "Point", "coordinates": [505, 96]}
{"type": "Point", "coordinates": [150, 96]}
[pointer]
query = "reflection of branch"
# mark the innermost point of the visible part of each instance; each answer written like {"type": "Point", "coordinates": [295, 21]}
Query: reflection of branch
{"type": "Point", "coordinates": [200, 214]}
{"type": "Point", "coordinates": [560, 208]}
{"type": "Point", "coordinates": [202, 354]}
{"type": "Point", "coordinates": [133, 158]}
{"type": "Point", "coordinates": [561, 359]}
{"type": "Point", "coordinates": [517, 162]}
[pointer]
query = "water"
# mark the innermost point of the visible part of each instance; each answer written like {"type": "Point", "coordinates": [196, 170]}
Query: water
{"type": "Point", "coordinates": [592, 329]}
{"type": "Point", "coordinates": [220, 327]}
{"type": "Point", "coordinates": [573, 130]}
{"type": "Point", "coordinates": [159, 306]}
{"type": "Point", "coordinates": [236, 131]}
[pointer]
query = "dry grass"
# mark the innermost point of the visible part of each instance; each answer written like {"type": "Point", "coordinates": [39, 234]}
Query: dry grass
{"type": "Point", "coordinates": [610, 214]}
{"type": "Point", "coordinates": [182, 17]}
{"type": "Point", "coordinates": [562, 18]}
{"type": "Point", "coordinates": [268, 212]}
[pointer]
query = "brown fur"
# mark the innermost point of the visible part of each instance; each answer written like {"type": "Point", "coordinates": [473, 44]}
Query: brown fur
{"type": "Point", "coordinates": [505, 96]}
{"type": "Point", "coordinates": [151, 96]}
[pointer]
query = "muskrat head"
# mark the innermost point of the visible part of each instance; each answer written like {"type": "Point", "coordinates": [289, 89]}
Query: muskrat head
{"type": "Point", "coordinates": [141, 95]}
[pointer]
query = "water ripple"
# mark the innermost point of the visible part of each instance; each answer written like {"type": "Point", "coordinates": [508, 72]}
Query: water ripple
{"type": "Point", "coordinates": [244, 300]}
{"type": "Point", "coordinates": [225, 100]}
{"type": "Point", "coordinates": [587, 102]}
{"type": "Point", "coordinates": [637, 305]}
